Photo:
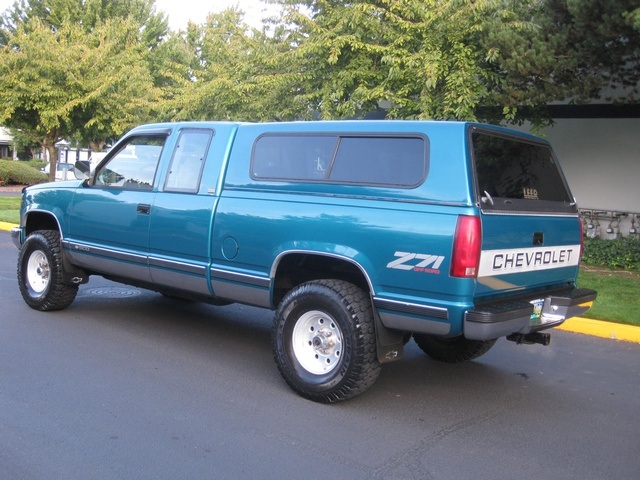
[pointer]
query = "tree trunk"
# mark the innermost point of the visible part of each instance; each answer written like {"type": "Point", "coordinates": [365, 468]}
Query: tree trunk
{"type": "Point", "coordinates": [50, 147]}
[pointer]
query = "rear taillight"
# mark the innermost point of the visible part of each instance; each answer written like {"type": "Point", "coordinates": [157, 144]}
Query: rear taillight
{"type": "Point", "coordinates": [466, 247]}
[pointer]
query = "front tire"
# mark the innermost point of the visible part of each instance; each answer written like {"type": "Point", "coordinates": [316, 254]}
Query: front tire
{"type": "Point", "coordinates": [324, 341]}
{"type": "Point", "coordinates": [452, 350]}
{"type": "Point", "coordinates": [40, 272]}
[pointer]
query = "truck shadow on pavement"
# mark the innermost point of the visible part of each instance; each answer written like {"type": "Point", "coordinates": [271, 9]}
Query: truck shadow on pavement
{"type": "Point", "coordinates": [240, 337]}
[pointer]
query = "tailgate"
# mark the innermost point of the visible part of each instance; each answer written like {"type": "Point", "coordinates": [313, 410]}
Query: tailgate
{"type": "Point", "coordinates": [527, 253]}
{"type": "Point", "coordinates": [531, 233]}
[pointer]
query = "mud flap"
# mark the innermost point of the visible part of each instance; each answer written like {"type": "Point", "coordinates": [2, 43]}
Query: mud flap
{"type": "Point", "coordinates": [72, 275]}
{"type": "Point", "coordinates": [389, 343]}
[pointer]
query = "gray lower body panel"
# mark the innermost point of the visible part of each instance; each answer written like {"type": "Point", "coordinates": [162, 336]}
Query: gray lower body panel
{"type": "Point", "coordinates": [409, 317]}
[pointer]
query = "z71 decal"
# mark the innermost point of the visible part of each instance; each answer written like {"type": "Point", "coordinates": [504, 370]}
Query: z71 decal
{"type": "Point", "coordinates": [417, 262]}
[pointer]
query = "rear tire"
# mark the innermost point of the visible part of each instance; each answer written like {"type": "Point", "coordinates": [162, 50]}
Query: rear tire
{"type": "Point", "coordinates": [452, 350]}
{"type": "Point", "coordinates": [40, 272]}
{"type": "Point", "coordinates": [324, 341]}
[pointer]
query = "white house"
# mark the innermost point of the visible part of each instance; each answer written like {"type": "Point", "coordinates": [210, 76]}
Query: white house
{"type": "Point", "coordinates": [598, 147]}
{"type": "Point", "coordinates": [6, 143]}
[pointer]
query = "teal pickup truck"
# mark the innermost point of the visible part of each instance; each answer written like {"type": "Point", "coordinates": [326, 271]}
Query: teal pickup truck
{"type": "Point", "coordinates": [358, 234]}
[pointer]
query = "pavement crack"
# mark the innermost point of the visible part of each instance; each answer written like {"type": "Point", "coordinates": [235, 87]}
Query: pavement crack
{"type": "Point", "coordinates": [408, 464]}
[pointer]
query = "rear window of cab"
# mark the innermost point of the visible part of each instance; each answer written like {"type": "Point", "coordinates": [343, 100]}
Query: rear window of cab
{"type": "Point", "coordinates": [390, 161]}
{"type": "Point", "coordinates": [513, 173]}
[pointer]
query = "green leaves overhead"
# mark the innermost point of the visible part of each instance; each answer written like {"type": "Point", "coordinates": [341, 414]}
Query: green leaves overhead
{"type": "Point", "coordinates": [89, 69]}
{"type": "Point", "coordinates": [237, 73]}
{"type": "Point", "coordinates": [420, 59]}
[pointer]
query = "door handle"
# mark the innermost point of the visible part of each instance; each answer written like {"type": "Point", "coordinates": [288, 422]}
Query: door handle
{"type": "Point", "coordinates": [143, 209]}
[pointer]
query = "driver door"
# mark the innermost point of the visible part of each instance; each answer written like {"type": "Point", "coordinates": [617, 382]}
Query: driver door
{"type": "Point", "coordinates": [109, 215]}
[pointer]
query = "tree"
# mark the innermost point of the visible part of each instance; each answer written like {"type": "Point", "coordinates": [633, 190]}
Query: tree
{"type": "Point", "coordinates": [88, 14]}
{"type": "Point", "coordinates": [56, 82]}
{"type": "Point", "coordinates": [236, 73]}
{"type": "Point", "coordinates": [100, 64]}
{"type": "Point", "coordinates": [602, 38]}
{"type": "Point", "coordinates": [151, 31]}
{"type": "Point", "coordinates": [462, 59]}
{"type": "Point", "coordinates": [424, 59]}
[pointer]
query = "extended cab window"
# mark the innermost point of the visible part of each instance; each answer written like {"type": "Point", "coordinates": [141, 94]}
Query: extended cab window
{"type": "Point", "coordinates": [399, 161]}
{"type": "Point", "coordinates": [134, 165]}
{"type": "Point", "coordinates": [187, 161]}
{"type": "Point", "coordinates": [516, 174]}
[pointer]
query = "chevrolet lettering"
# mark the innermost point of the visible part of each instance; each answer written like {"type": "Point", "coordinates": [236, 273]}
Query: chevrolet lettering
{"type": "Point", "coordinates": [530, 259]}
{"type": "Point", "coordinates": [358, 235]}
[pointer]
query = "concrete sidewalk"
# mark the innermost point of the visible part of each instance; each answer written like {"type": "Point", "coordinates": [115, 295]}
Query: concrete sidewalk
{"type": "Point", "coordinates": [585, 326]}
{"type": "Point", "coordinates": [11, 190]}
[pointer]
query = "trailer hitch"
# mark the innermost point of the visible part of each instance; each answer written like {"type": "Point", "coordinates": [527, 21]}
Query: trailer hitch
{"type": "Point", "coordinates": [530, 338]}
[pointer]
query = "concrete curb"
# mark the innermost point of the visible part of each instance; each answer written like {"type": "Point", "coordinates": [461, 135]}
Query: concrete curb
{"type": "Point", "coordinates": [7, 226]}
{"type": "Point", "coordinates": [586, 326]}
{"type": "Point", "coordinates": [598, 328]}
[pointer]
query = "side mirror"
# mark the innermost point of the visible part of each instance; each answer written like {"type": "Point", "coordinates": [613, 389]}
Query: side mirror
{"type": "Point", "coordinates": [81, 170]}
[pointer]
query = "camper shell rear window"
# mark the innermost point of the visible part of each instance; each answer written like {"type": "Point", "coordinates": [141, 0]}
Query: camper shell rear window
{"type": "Point", "coordinates": [390, 161]}
{"type": "Point", "coordinates": [516, 174]}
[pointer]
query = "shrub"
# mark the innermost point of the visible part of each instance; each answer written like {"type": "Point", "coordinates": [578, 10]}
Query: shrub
{"type": "Point", "coordinates": [19, 173]}
{"type": "Point", "coordinates": [34, 163]}
{"type": "Point", "coordinates": [620, 253]}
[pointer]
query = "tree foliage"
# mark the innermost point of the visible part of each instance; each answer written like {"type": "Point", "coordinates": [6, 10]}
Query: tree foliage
{"type": "Point", "coordinates": [421, 58]}
{"type": "Point", "coordinates": [57, 82]}
{"type": "Point", "coordinates": [78, 69]}
{"type": "Point", "coordinates": [602, 37]}
{"type": "Point", "coordinates": [456, 59]}
{"type": "Point", "coordinates": [89, 14]}
{"type": "Point", "coordinates": [89, 69]}
{"type": "Point", "coordinates": [236, 73]}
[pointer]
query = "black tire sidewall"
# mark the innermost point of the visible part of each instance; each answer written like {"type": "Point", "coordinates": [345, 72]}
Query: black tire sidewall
{"type": "Point", "coordinates": [349, 306]}
{"type": "Point", "coordinates": [452, 350]}
{"type": "Point", "coordinates": [57, 295]}
{"type": "Point", "coordinates": [301, 300]}
{"type": "Point", "coordinates": [34, 242]}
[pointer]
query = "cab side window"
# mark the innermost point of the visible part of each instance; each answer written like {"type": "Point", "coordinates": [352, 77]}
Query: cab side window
{"type": "Point", "coordinates": [187, 162]}
{"type": "Point", "coordinates": [374, 159]}
{"type": "Point", "coordinates": [134, 165]}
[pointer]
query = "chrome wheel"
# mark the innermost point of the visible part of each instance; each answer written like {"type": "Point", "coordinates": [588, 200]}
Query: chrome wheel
{"type": "Point", "coordinates": [317, 342]}
{"type": "Point", "coordinates": [38, 271]}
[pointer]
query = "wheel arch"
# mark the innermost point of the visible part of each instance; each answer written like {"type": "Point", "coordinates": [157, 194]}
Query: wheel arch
{"type": "Point", "coordinates": [41, 220]}
{"type": "Point", "coordinates": [293, 267]}
{"type": "Point", "coordinates": [46, 220]}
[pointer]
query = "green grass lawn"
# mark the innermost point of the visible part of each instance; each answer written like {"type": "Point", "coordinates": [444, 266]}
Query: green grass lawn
{"type": "Point", "coordinates": [10, 209]}
{"type": "Point", "coordinates": [618, 291]}
{"type": "Point", "coordinates": [618, 294]}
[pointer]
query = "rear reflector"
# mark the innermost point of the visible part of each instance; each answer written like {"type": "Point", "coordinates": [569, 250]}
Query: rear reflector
{"type": "Point", "coordinates": [466, 247]}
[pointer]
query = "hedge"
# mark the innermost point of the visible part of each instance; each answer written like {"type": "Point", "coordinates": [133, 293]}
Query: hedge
{"type": "Point", "coordinates": [19, 173]}
{"type": "Point", "coordinates": [621, 253]}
